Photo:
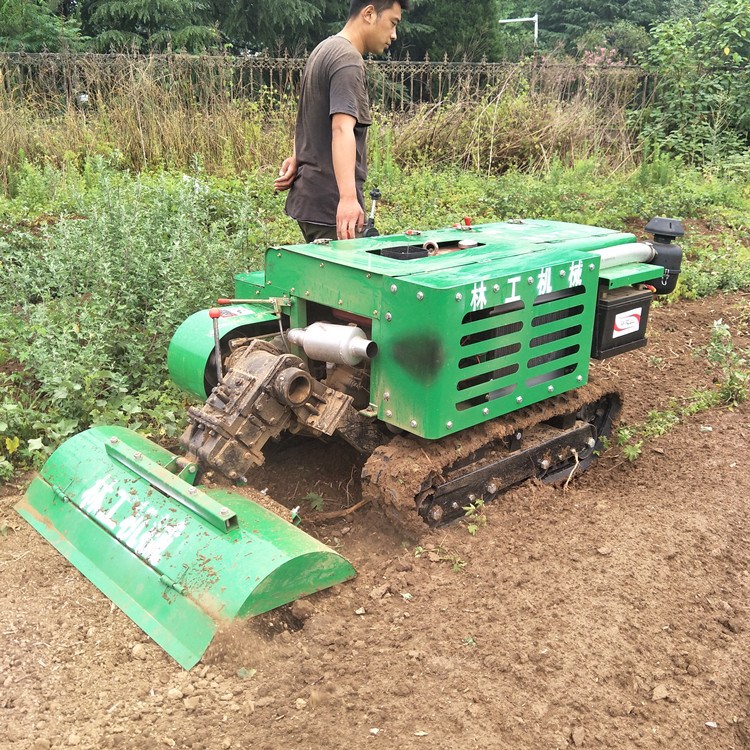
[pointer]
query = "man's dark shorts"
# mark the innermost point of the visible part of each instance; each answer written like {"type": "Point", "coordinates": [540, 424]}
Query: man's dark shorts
{"type": "Point", "coordinates": [312, 232]}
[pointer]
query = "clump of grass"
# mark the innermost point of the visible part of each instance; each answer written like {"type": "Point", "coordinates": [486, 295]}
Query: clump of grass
{"type": "Point", "coordinates": [731, 388]}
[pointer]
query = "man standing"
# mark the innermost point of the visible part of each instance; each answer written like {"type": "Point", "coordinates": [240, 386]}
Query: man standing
{"type": "Point", "coordinates": [327, 170]}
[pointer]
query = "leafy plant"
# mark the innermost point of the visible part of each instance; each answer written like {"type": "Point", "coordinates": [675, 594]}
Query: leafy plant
{"type": "Point", "coordinates": [474, 516]}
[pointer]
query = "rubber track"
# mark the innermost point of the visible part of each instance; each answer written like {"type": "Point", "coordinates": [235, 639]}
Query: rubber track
{"type": "Point", "coordinates": [396, 473]}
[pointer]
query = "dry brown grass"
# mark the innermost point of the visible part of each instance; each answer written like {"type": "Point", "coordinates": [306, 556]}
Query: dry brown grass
{"type": "Point", "coordinates": [169, 111]}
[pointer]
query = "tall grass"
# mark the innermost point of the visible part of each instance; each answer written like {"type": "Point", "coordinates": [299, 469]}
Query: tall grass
{"type": "Point", "coordinates": [148, 114]}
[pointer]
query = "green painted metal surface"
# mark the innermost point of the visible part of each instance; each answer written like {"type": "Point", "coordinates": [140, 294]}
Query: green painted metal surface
{"type": "Point", "coordinates": [177, 559]}
{"type": "Point", "coordinates": [192, 344]}
{"type": "Point", "coordinates": [631, 273]}
{"type": "Point", "coordinates": [468, 334]}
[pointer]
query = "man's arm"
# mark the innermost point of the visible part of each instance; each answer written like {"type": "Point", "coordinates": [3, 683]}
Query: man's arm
{"type": "Point", "coordinates": [350, 216]}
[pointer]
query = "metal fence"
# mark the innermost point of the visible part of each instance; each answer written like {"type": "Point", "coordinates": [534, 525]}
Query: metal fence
{"type": "Point", "coordinates": [55, 81]}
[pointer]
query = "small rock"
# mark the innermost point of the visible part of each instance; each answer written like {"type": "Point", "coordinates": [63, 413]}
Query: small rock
{"type": "Point", "coordinates": [712, 725]}
{"type": "Point", "coordinates": [578, 735]}
{"type": "Point", "coordinates": [345, 530]}
{"type": "Point", "coordinates": [226, 696]}
{"type": "Point", "coordinates": [41, 744]}
{"type": "Point", "coordinates": [191, 703]}
{"type": "Point", "coordinates": [660, 693]}
{"type": "Point", "coordinates": [245, 674]}
{"type": "Point", "coordinates": [74, 740]}
{"type": "Point", "coordinates": [302, 609]}
{"type": "Point", "coordinates": [300, 703]}
{"type": "Point", "coordinates": [265, 701]}
{"type": "Point", "coordinates": [374, 731]}
{"type": "Point", "coordinates": [90, 633]}
{"type": "Point", "coordinates": [604, 550]}
{"type": "Point", "coordinates": [174, 694]}
{"type": "Point", "coordinates": [139, 652]}
{"type": "Point", "coordinates": [360, 611]}
{"type": "Point", "coordinates": [420, 733]}
{"type": "Point", "coordinates": [379, 591]}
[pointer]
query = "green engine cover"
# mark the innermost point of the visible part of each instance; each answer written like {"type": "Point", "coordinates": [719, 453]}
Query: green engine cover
{"type": "Point", "coordinates": [501, 316]}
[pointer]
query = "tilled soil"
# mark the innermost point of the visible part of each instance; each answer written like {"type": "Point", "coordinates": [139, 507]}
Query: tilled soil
{"type": "Point", "coordinates": [609, 614]}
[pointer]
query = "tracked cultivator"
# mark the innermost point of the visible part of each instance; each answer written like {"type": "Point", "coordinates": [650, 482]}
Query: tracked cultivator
{"type": "Point", "coordinates": [456, 361]}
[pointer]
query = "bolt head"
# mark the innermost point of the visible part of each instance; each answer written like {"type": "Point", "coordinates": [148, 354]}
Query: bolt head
{"type": "Point", "coordinates": [519, 399]}
{"type": "Point", "coordinates": [138, 455]}
{"type": "Point", "coordinates": [562, 273]}
{"type": "Point", "coordinates": [544, 464]}
{"type": "Point", "coordinates": [192, 491]}
{"type": "Point", "coordinates": [496, 288]}
{"type": "Point", "coordinates": [191, 469]}
{"type": "Point", "coordinates": [580, 378]}
{"type": "Point", "coordinates": [491, 488]}
{"type": "Point", "coordinates": [551, 388]}
{"type": "Point", "coordinates": [420, 295]}
{"type": "Point", "coordinates": [449, 425]}
{"type": "Point", "coordinates": [113, 440]}
{"type": "Point", "coordinates": [591, 442]}
{"type": "Point", "coordinates": [387, 396]}
{"type": "Point", "coordinates": [530, 280]}
{"type": "Point", "coordinates": [436, 513]}
{"type": "Point", "coordinates": [224, 512]}
{"type": "Point", "coordinates": [388, 413]}
{"type": "Point", "coordinates": [591, 266]}
{"type": "Point", "coordinates": [459, 296]}
{"type": "Point", "coordinates": [388, 317]}
{"type": "Point", "coordinates": [485, 411]}
{"type": "Point", "coordinates": [413, 423]}
{"type": "Point", "coordinates": [394, 288]}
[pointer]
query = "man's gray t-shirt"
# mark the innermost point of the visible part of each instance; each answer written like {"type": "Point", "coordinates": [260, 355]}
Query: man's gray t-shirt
{"type": "Point", "coordinates": [333, 82]}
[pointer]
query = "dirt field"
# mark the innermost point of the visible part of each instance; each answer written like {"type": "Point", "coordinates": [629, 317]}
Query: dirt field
{"type": "Point", "coordinates": [613, 614]}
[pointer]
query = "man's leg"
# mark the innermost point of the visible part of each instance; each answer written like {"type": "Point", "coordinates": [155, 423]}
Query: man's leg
{"type": "Point", "coordinates": [312, 232]}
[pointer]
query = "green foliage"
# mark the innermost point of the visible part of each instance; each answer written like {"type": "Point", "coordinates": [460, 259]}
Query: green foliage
{"type": "Point", "coordinates": [474, 516]}
{"type": "Point", "coordinates": [701, 106]}
{"type": "Point", "coordinates": [32, 26]}
{"type": "Point", "coordinates": [96, 295]}
{"type": "Point", "coordinates": [732, 388]}
{"type": "Point", "coordinates": [446, 28]}
{"type": "Point", "coordinates": [564, 25]}
{"type": "Point", "coordinates": [279, 26]}
{"type": "Point", "coordinates": [143, 25]}
{"type": "Point", "coordinates": [626, 39]}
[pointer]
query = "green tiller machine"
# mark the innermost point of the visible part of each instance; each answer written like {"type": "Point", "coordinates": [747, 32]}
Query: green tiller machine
{"type": "Point", "coordinates": [456, 361]}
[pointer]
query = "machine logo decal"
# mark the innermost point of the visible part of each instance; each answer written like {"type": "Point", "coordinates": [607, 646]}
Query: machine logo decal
{"type": "Point", "coordinates": [514, 295]}
{"type": "Point", "coordinates": [575, 274]}
{"type": "Point", "coordinates": [544, 285]}
{"type": "Point", "coordinates": [627, 322]}
{"type": "Point", "coordinates": [479, 296]}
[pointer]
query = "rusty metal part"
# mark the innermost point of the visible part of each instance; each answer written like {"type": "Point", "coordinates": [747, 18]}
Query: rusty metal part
{"type": "Point", "coordinates": [263, 393]}
{"type": "Point", "coordinates": [420, 484]}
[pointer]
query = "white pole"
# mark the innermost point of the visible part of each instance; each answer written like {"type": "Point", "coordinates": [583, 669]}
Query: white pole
{"type": "Point", "coordinates": [534, 19]}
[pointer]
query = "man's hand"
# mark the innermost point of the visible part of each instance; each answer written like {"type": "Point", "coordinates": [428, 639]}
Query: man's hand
{"type": "Point", "coordinates": [287, 174]}
{"type": "Point", "coordinates": [350, 218]}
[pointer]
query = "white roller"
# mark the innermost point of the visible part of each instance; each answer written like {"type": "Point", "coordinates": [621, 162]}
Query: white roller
{"type": "Point", "coordinates": [633, 252]}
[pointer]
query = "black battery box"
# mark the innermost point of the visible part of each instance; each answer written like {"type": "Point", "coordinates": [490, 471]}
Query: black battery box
{"type": "Point", "coordinates": [621, 319]}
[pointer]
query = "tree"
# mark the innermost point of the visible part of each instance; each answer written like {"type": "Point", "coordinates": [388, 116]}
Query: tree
{"type": "Point", "coordinates": [276, 26]}
{"type": "Point", "coordinates": [446, 27]}
{"type": "Point", "coordinates": [31, 25]}
{"type": "Point", "coordinates": [149, 24]}
{"type": "Point", "coordinates": [701, 108]}
{"type": "Point", "coordinates": [562, 24]}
